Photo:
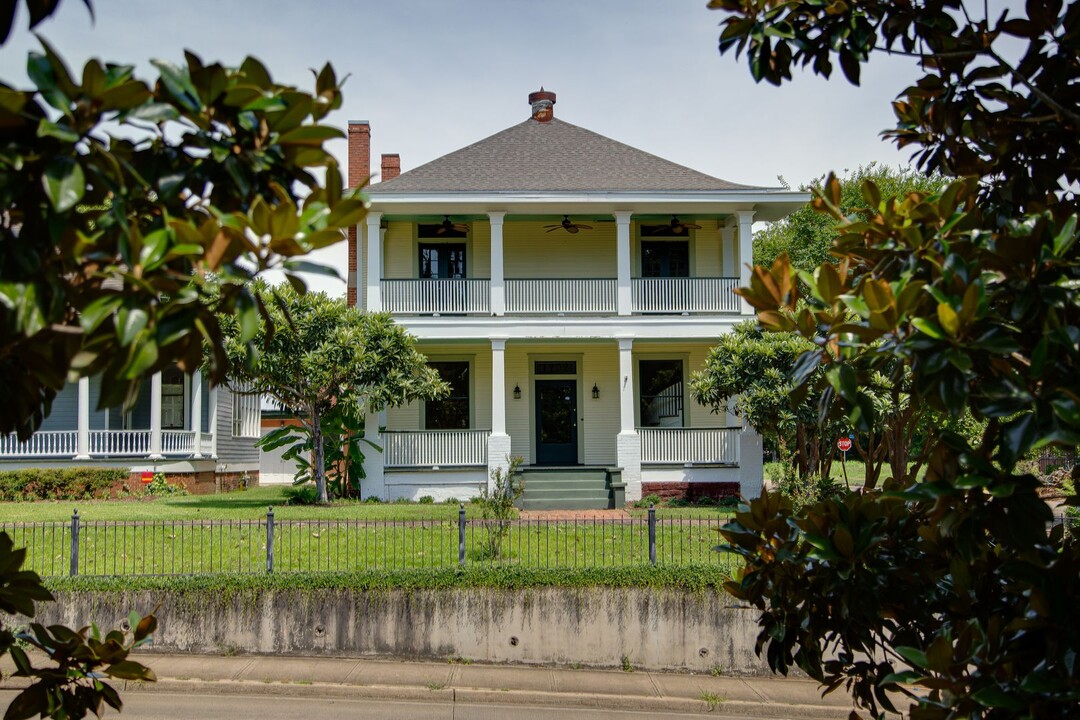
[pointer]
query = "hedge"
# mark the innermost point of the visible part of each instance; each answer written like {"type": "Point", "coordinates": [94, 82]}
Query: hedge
{"type": "Point", "coordinates": [695, 578]}
{"type": "Point", "coordinates": [80, 483]}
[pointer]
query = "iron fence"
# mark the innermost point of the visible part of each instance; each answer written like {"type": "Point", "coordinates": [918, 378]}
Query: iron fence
{"type": "Point", "coordinates": [175, 547]}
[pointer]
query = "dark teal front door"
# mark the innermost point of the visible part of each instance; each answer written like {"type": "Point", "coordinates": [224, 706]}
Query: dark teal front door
{"type": "Point", "coordinates": [556, 422]}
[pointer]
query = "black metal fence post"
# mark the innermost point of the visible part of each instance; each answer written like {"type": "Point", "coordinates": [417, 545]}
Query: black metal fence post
{"type": "Point", "coordinates": [75, 543]}
{"type": "Point", "coordinates": [270, 539]}
{"type": "Point", "coordinates": [461, 535]}
{"type": "Point", "coordinates": [652, 534]}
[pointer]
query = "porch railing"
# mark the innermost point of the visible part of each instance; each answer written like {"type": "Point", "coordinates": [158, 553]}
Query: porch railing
{"type": "Point", "coordinates": [576, 295]}
{"type": "Point", "coordinates": [678, 446]}
{"type": "Point", "coordinates": [44, 443]}
{"type": "Point", "coordinates": [434, 448]}
{"type": "Point", "coordinates": [427, 296]}
{"type": "Point", "coordinates": [685, 295]}
{"type": "Point", "coordinates": [120, 443]}
{"type": "Point", "coordinates": [178, 442]}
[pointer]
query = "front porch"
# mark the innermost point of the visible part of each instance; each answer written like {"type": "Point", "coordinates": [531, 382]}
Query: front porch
{"type": "Point", "coordinates": [175, 417]}
{"type": "Point", "coordinates": [617, 404]}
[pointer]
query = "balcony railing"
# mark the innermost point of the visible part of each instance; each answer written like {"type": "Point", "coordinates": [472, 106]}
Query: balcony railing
{"type": "Point", "coordinates": [47, 443]}
{"type": "Point", "coordinates": [435, 448]}
{"type": "Point", "coordinates": [685, 295]}
{"type": "Point", "coordinates": [679, 446]}
{"type": "Point", "coordinates": [553, 296]}
{"type": "Point", "coordinates": [426, 296]}
{"type": "Point", "coordinates": [104, 443]}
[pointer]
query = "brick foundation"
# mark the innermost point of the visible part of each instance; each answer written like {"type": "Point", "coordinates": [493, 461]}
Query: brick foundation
{"type": "Point", "coordinates": [691, 491]}
{"type": "Point", "coordinates": [200, 483]}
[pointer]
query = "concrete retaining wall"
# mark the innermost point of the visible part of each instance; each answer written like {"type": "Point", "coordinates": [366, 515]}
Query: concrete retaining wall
{"type": "Point", "coordinates": [654, 629]}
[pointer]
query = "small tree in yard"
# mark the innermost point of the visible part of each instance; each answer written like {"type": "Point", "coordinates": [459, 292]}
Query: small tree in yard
{"type": "Point", "coordinates": [969, 297]}
{"type": "Point", "coordinates": [328, 364]}
{"type": "Point", "coordinates": [497, 505]}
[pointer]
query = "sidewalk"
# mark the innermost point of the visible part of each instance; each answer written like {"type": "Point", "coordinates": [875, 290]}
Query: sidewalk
{"type": "Point", "coordinates": [445, 683]}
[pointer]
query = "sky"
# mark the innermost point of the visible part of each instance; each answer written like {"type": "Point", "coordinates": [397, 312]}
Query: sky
{"type": "Point", "coordinates": [432, 76]}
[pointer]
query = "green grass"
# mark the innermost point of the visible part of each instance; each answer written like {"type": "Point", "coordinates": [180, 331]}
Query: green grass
{"type": "Point", "coordinates": [246, 505]}
{"type": "Point", "coordinates": [207, 545]}
{"type": "Point", "coordinates": [703, 512]}
{"type": "Point", "coordinates": [856, 472]}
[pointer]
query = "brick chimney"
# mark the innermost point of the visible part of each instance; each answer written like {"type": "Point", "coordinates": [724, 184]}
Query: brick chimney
{"type": "Point", "coordinates": [359, 173]}
{"type": "Point", "coordinates": [391, 166]}
{"type": "Point", "coordinates": [542, 102]}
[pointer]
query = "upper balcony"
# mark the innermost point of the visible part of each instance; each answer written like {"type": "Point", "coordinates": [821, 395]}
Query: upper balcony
{"type": "Point", "coordinates": [561, 296]}
{"type": "Point", "coordinates": [550, 267]}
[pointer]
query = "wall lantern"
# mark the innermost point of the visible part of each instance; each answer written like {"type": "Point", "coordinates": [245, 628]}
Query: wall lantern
{"type": "Point", "coordinates": [517, 392]}
{"type": "Point", "coordinates": [595, 392]}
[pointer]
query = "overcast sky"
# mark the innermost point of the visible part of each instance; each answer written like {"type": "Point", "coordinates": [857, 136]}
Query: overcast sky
{"type": "Point", "coordinates": [434, 75]}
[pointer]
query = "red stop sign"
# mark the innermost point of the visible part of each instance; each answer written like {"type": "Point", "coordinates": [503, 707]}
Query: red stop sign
{"type": "Point", "coordinates": [843, 444]}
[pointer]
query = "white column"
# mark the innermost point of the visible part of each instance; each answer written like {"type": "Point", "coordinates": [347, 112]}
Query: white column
{"type": "Point", "coordinates": [746, 253]}
{"type": "Point", "coordinates": [727, 249]}
{"type": "Point", "coordinates": [374, 482]}
{"type": "Point", "coordinates": [628, 442]}
{"type": "Point", "coordinates": [196, 411]}
{"type": "Point", "coordinates": [498, 288]}
{"type": "Point", "coordinates": [373, 237]}
{"type": "Point", "coordinates": [751, 465]}
{"type": "Point", "coordinates": [82, 440]}
{"type": "Point", "coordinates": [624, 298]}
{"type": "Point", "coordinates": [155, 417]}
{"type": "Point", "coordinates": [498, 442]}
{"type": "Point", "coordinates": [212, 411]}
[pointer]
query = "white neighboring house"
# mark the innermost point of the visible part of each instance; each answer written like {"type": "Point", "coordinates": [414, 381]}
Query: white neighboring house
{"type": "Point", "coordinates": [201, 436]}
{"type": "Point", "coordinates": [565, 285]}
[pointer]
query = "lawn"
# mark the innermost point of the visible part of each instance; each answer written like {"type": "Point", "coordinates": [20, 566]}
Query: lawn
{"type": "Point", "coordinates": [229, 534]}
{"type": "Point", "coordinates": [856, 472]}
{"type": "Point", "coordinates": [244, 505]}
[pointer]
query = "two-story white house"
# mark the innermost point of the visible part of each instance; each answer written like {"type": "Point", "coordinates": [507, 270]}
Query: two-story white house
{"type": "Point", "coordinates": [565, 285]}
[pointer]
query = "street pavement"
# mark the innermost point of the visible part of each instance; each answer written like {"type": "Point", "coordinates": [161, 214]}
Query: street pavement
{"type": "Point", "coordinates": [429, 689]}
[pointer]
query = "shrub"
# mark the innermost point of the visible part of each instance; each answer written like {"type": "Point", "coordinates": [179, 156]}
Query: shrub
{"type": "Point", "coordinates": [451, 501]}
{"type": "Point", "coordinates": [497, 506]}
{"type": "Point", "coordinates": [302, 495]}
{"type": "Point", "coordinates": [61, 483]}
{"type": "Point", "coordinates": [159, 485]}
{"type": "Point", "coordinates": [651, 499]}
{"type": "Point", "coordinates": [373, 500]}
{"type": "Point", "coordinates": [426, 500]}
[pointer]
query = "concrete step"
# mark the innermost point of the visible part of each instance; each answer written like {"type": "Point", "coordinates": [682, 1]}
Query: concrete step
{"type": "Point", "coordinates": [554, 493]}
{"type": "Point", "coordinates": [564, 504]}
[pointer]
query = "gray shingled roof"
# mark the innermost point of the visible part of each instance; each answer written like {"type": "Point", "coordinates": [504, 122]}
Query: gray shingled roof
{"type": "Point", "coordinates": [550, 157]}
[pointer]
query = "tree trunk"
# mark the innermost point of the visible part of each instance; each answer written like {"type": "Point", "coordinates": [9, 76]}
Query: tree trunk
{"type": "Point", "coordinates": [318, 463]}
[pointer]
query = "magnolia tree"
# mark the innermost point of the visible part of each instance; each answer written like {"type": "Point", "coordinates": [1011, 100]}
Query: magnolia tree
{"type": "Point", "coordinates": [971, 295]}
{"type": "Point", "coordinates": [328, 364]}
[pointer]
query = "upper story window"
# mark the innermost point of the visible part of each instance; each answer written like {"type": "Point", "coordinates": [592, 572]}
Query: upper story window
{"type": "Point", "coordinates": [442, 260]}
{"type": "Point", "coordinates": [451, 412]}
{"type": "Point", "coordinates": [660, 383]}
{"type": "Point", "coordinates": [665, 258]}
{"type": "Point", "coordinates": [246, 413]}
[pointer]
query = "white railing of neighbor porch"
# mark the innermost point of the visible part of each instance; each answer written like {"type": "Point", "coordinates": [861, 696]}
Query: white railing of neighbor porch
{"type": "Point", "coordinates": [177, 442]}
{"type": "Point", "coordinates": [714, 446]}
{"type": "Point", "coordinates": [685, 295]}
{"type": "Point", "coordinates": [120, 443]}
{"type": "Point", "coordinates": [44, 443]}
{"type": "Point", "coordinates": [427, 296]}
{"type": "Point", "coordinates": [434, 448]}
{"type": "Point", "coordinates": [576, 295]}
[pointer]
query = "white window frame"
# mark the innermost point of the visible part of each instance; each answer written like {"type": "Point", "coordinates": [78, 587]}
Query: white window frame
{"type": "Point", "coordinates": [246, 414]}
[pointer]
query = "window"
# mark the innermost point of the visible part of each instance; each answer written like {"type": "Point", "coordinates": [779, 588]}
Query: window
{"type": "Point", "coordinates": [661, 387]}
{"type": "Point", "coordinates": [665, 258]}
{"type": "Point", "coordinates": [246, 414]}
{"type": "Point", "coordinates": [172, 399]}
{"type": "Point", "coordinates": [555, 367]}
{"type": "Point", "coordinates": [452, 412]}
{"type": "Point", "coordinates": [442, 260]}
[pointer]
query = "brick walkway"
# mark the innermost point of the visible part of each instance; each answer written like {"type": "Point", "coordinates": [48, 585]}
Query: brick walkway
{"type": "Point", "coordinates": [574, 514]}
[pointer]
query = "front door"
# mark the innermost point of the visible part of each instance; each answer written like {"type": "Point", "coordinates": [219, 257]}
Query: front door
{"type": "Point", "coordinates": [556, 422]}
